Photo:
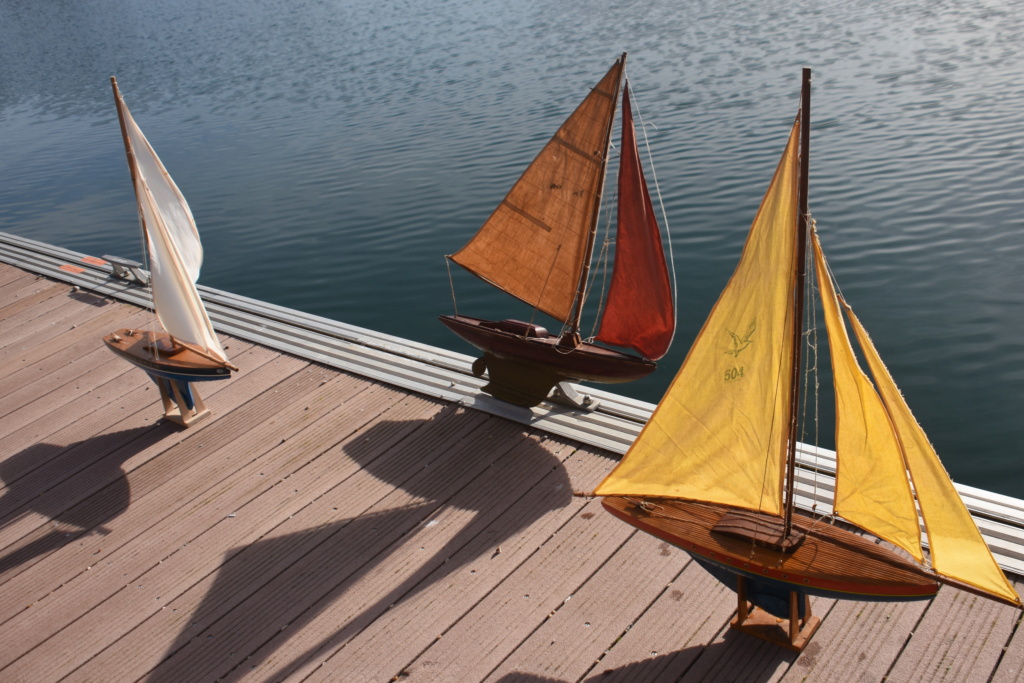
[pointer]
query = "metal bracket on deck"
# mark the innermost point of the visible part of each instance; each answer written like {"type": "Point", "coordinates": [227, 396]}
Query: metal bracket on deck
{"type": "Point", "coordinates": [126, 269]}
{"type": "Point", "coordinates": [564, 393]}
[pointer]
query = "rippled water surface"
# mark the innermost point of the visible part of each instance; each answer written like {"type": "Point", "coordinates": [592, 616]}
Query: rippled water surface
{"type": "Point", "coordinates": [333, 151]}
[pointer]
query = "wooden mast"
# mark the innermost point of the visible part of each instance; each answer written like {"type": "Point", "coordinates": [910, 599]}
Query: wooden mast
{"type": "Point", "coordinates": [798, 295]}
{"type": "Point", "coordinates": [130, 154]}
{"type": "Point", "coordinates": [572, 338]}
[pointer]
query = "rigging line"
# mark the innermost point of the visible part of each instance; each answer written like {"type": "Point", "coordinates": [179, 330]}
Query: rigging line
{"type": "Point", "coordinates": [451, 283]}
{"type": "Point", "coordinates": [811, 364]}
{"type": "Point", "coordinates": [664, 215]}
{"type": "Point", "coordinates": [603, 258]}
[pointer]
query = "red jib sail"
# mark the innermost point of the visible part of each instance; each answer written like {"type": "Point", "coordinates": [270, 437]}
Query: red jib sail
{"type": "Point", "coordinates": [638, 313]}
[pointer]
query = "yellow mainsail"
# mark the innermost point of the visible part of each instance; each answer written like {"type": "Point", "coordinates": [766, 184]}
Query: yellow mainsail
{"type": "Point", "coordinates": [721, 431]}
{"type": "Point", "coordinates": [534, 244]}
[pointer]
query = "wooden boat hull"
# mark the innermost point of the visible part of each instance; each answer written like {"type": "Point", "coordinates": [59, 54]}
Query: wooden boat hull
{"type": "Point", "coordinates": [831, 562]}
{"type": "Point", "coordinates": [153, 352]}
{"type": "Point", "coordinates": [588, 362]}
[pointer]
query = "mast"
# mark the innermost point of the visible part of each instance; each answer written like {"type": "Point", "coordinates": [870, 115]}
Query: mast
{"type": "Point", "coordinates": [130, 154]}
{"type": "Point", "coordinates": [798, 294]}
{"type": "Point", "coordinates": [588, 252]}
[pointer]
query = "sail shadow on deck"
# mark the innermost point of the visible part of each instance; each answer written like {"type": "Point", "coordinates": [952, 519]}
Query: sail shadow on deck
{"type": "Point", "coordinates": [442, 503]}
{"type": "Point", "coordinates": [38, 478]}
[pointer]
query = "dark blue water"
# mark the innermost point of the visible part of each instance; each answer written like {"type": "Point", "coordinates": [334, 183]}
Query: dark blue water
{"type": "Point", "coordinates": [333, 151]}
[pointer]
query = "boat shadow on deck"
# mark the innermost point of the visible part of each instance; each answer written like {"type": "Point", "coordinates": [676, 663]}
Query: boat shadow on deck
{"type": "Point", "coordinates": [431, 506]}
{"type": "Point", "coordinates": [40, 480]}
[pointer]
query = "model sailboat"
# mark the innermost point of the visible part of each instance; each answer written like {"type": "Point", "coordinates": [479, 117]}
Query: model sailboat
{"type": "Point", "coordinates": [188, 350]}
{"type": "Point", "coordinates": [713, 470]}
{"type": "Point", "coordinates": [538, 244]}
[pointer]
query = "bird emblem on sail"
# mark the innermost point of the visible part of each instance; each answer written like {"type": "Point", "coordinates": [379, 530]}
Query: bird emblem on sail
{"type": "Point", "coordinates": [741, 343]}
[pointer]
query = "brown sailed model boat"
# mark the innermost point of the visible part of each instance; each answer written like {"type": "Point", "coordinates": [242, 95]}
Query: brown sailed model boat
{"type": "Point", "coordinates": [188, 350]}
{"type": "Point", "coordinates": [537, 246]}
{"type": "Point", "coordinates": [713, 470]}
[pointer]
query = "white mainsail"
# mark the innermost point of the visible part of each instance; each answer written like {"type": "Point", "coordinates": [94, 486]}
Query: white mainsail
{"type": "Point", "coordinates": [172, 240]}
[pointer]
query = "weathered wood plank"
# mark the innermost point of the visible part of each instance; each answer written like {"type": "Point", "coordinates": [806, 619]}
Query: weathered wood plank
{"type": "Point", "coordinates": [28, 292]}
{"type": "Point", "coordinates": [573, 639]}
{"type": "Point", "coordinates": [960, 637]}
{"type": "Point", "coordinates": [482, 639]}
{"type": "Point", "coordinates": [448, 563]}
{"type": "Point", "coordinates": [668, 637]}
{"type": "Point", "coordinates": [192, 597]}
{"type": "Point", "coordinates": [350, 554]}
{"type": "Point", "coordinates": [159, 487]}
{"type": "Point", "coordinates": [256, 497]}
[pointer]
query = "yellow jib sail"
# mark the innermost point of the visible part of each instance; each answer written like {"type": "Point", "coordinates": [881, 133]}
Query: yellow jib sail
{"type": "Point", "coordinates": [958, 550]}
{"type": "Point", "coordinates": [534, 244]}
{"type": "Point", "coordinates": [872, 489]}
{"type": "Point", "coordinates": [720, 432]}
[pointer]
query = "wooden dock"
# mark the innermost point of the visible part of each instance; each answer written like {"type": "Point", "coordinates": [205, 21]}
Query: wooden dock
{"type": "Point", "coordinates": [327, 524]}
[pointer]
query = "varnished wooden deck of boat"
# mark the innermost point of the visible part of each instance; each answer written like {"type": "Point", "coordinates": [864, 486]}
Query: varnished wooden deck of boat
{"type": "Point", "coordinates": [325, 527]}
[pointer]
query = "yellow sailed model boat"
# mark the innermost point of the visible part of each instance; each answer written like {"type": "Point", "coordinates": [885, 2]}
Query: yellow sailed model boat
{"type": "Point", "coordinates": [713, 470]}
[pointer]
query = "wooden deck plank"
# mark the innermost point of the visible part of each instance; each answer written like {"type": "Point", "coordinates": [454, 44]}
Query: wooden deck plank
{"type": "Point", "coordinates": [66, 312]}
{"type": "Point", "coordinates": [1011, 665]}
{"type": "Point", "coordinates": [238, 565]}
{"type": "Point", "coordinates": [482, 639]}
{"type": "Point", "coordinates": [256, 497]}
{"type": "Point", "coordinates": [960, 637]}
{"type": "Point", "coordinates": [26, 385]}
{"type": "Point", "coordinates": [664, 641]}
{"type": "Point", "coordinates": [448, 563]}
{"type": "Point", "coordinates": [858, 641]}
{"type": "Point", "coordinates": [160, 487]}
{"type": "Point", "coordinates": [342, 563]}
{"type": "Point", "coordinates": [573, 639]}
{"type": "Point", "coordinates": [90, 453]}
{"type": "Point", "coordinates": [14, 359]}
{"type": "Point", "coordinates": [27, 293]}
{"type": "Point", "coordinates": [9, 274]}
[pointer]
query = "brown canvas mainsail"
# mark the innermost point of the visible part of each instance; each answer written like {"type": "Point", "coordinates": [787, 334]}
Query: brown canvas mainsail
{"type": "Point", "coordinates": [535, 243]}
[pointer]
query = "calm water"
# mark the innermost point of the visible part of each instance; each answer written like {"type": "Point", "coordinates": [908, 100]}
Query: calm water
{"type": "Point", "coordinates": [333, 151]}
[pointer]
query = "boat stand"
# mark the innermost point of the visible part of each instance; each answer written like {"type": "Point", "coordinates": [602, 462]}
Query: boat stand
{"type": "Point", "coordinates": [181, 400]}
{"type": "Point", "coordinates": [793, 635]}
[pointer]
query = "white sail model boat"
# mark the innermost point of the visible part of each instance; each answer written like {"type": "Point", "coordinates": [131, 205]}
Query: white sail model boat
{"type": "Point", "coordinates": [712, 472]}
{"type": "Point", "coordinates": [188, 349]}
{"type": "Point", "coordinates": [538, 244]}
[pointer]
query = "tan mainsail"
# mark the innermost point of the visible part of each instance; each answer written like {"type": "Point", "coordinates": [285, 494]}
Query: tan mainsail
{"type": "Point", "coordinates": [172, 240]}
{"type": "Point", "coordinates": [720, 432]}
{"type": "Point", "coordinates": [535, 244]}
